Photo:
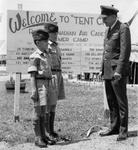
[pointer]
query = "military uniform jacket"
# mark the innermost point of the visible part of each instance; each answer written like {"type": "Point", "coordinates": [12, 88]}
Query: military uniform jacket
{"type": "Point", "coordinates": [55, 55]}
{"type": "Point", "coordinates": [117, 48]}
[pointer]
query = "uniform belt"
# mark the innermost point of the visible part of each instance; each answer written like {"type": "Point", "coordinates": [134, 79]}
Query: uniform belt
{"type": "Point", "coordinates": [43, 78]}
{"type": "Point", "coordinates": [56, 70]}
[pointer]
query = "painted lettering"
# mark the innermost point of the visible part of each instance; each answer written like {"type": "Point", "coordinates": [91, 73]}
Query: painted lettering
{"type": "Point", "coordinates": [19, 22]}
{"type": "Point", "coordinates": [80, 39]}
{"type": "Point", "coordinates": [15, 26]}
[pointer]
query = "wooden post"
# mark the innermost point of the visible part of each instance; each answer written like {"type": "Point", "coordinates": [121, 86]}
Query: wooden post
{"type": "Point", "coordinates": [17, 97]}
{"type": "Point", "coordinates": [17, 87]}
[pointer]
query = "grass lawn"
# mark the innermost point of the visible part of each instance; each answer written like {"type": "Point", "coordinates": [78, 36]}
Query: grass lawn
{"type": "Point", "coordinates": [82, 108]}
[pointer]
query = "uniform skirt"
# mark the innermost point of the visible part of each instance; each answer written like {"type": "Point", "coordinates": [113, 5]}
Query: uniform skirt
{"type": "Point", "coordinates": [53, 92]}
{"type": "Point", "coordinates": [60, 85]}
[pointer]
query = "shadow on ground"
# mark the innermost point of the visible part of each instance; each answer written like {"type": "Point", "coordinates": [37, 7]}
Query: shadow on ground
{"type": "Point", "coordinates": [71, 142]}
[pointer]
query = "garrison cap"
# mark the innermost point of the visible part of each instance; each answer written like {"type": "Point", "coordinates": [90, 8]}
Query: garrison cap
{"type": "Point", "coordinates": [108, 10]}
{"type": "Point", "coordinates": [40, 34]}
{"type": "Point", "coordinates": [51, 27]}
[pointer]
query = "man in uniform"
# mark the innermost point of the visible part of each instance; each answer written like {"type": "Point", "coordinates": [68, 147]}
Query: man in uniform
{"type": "Point", "coordinates": [115, 69]}
{"type": "Point", "coordinates": [41, 76]}
{"type": "Point", "coordinates": [55, 53]}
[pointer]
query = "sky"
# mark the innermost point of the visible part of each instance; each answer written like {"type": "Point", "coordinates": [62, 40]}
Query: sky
{"type": "Point", "coordinates": [126, 10]}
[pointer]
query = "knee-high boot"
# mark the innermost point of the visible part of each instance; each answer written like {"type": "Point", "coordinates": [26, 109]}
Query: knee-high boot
{"type": "Point", "coordinates": [38, 139]}
{"type": "Point", "coordinates": [45, 138]}
{"type": "Point", "coordinates": [51, 123]}
{"type": "Point", "coordinates": [47, 118]}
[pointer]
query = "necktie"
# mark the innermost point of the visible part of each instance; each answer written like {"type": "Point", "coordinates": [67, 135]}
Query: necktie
{"type": "Point", "coordinates": [109, 30]}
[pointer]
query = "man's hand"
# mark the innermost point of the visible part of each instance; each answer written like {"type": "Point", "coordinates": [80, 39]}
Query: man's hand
{"type": "Point", "coordinates": [34, 96]}
{"type": "Point", "coordinates": [117, 76]}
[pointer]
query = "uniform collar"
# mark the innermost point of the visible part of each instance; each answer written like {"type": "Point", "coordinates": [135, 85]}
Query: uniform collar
{"type": "Point", "coordinates": [41, 53]}
{"type": "Point", "coordinates": [52, 42]}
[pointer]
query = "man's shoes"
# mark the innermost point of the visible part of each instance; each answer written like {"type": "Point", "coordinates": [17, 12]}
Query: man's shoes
{"type": "Point", "coordinates": [122, 136]}
{"type": "Point", "coordinates": [40, 143]}
{"type": "Point", "coordinates": [109, 132]}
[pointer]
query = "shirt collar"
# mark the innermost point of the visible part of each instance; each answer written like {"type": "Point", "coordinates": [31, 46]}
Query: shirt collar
{"type": "Point", "coordinates": [39, 52]}
{"type": "Point", "coordinates": [49, 42]}
{"type": "Point", "coordinates": [114, 24]}
{"type": "Point", "coordinates": [52, 42]}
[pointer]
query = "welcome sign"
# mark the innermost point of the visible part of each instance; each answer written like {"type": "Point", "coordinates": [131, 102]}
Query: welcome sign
{"type": "Point", "coordinates": [80, 39]}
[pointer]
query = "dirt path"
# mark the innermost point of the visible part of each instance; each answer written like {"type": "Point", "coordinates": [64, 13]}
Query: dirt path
{"type": "Point", "coordinates": [94, 142]}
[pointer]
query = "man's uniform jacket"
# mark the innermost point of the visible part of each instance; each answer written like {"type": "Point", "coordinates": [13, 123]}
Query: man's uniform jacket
{"type": "Point", "coordinates": [117, 48]}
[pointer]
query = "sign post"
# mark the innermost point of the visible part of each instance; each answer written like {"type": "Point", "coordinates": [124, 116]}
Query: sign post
{"type": "Point", "coordinates": [17, 89]}
{"type": "Point", "coordinates": [17, 97]}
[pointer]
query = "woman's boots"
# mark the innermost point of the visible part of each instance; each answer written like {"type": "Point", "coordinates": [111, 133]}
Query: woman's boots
{"type": "Point", "coordinates": [51, 125]}
{"type": "Point", "coordinates": [50, 117]}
